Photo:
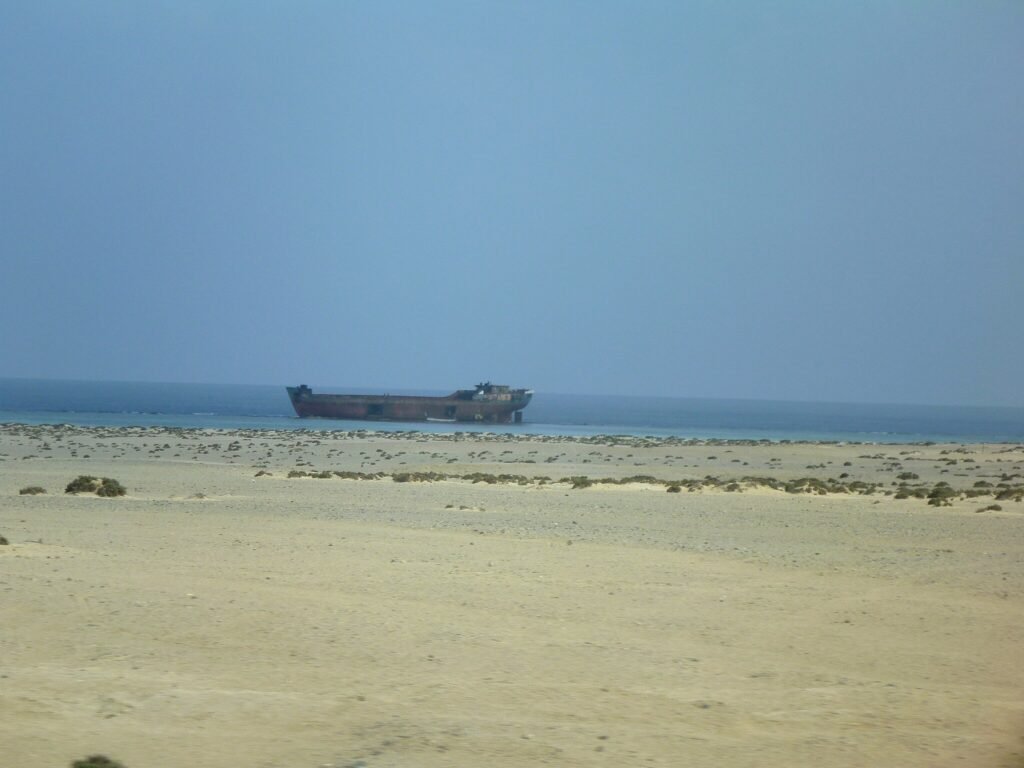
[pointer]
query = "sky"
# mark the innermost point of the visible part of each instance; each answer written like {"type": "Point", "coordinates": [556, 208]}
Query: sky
{"type": "Point", "coordinates": [812, 200]}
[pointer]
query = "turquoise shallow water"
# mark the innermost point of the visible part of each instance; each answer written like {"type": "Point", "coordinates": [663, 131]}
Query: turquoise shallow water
{"type": "Point", "coordinates": [218, 406]}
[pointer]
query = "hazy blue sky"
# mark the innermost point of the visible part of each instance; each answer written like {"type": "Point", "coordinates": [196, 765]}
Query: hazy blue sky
{"type": "Point", "coordinates": [788, 200]}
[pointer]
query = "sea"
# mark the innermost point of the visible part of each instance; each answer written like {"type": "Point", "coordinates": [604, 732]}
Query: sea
{"type": "Point", "coordinates": [248, 406]}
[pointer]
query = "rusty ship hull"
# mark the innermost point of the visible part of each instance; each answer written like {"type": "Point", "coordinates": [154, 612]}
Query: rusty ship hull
{"type": "Point", "coordinates": [487, 403]}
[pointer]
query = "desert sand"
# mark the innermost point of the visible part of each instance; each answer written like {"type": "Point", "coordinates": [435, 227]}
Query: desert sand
{"type": "Point", "coordinates": [225, 614]}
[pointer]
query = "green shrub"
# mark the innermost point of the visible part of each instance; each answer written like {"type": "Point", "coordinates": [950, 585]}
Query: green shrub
{"type": "Point", "coordinates": [106, 486]}
{"type": "Point", "coordinates": [83, 484]}
{"type": "Point", "coordinates": [907, 476]}
{"type": "Point", "coordinates": [942, 495]}
{"type": "Point", "coordinates": [97, 761]}
{"type": "Point", "coordinates": [1010, 494]}
{"type": "Point", "coordinates": [809, 485]}
{"type": "Point", "coordinates": [3, 542]}
{"type": "Point", "coordinates": [649, 479]}
{"type": "Point", "coordinates": [674, 488]}
{"type": "Point", "coordinates": [32, 490]}
{"type": "Point", "coordinates": [109, 487]}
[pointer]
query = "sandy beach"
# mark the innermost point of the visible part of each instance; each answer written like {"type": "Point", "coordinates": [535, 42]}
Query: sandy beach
{"type": "Point", "coordinates": [272, 599]}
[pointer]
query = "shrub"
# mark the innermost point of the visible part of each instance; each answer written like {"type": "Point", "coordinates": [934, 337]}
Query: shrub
{"type": "Point", "coordinates": [1008, 494]}
{"type": "Point", "coordinates": [83, 484]}
{"type": "Point", "coordinates": [650, 479]}
{"type": "Point", "coordinates": [907, 476]}
{"type": "Point", "coordinates": [991, 508]}
{"type": "Point", "coordinates": [97, 761]}
{"type": "Point", "coordinates": [942, 495]}
{"type": "Point", "coordinates": [3, 542]}
{"type": "Point", "coordinates": [109, 487]}
{"type": "Point", "coordinates": [674, 488]}
{"type": "Point", "coordinates": [32, 490]}
{"type": "Point", "coordinates": [346, 475]}
{"type": "Point", "coordinates": [810, 485]}
{"type": "Point", "coordinates": [941, 491]}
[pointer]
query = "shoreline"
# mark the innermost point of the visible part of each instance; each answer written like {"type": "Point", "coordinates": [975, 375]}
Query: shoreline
{"type": "Point", "coordinates": [600, 438]}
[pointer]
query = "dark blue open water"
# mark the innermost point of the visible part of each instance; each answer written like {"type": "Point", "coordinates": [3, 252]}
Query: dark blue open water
{"type": "Point", "coordinates": [219, 406]}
